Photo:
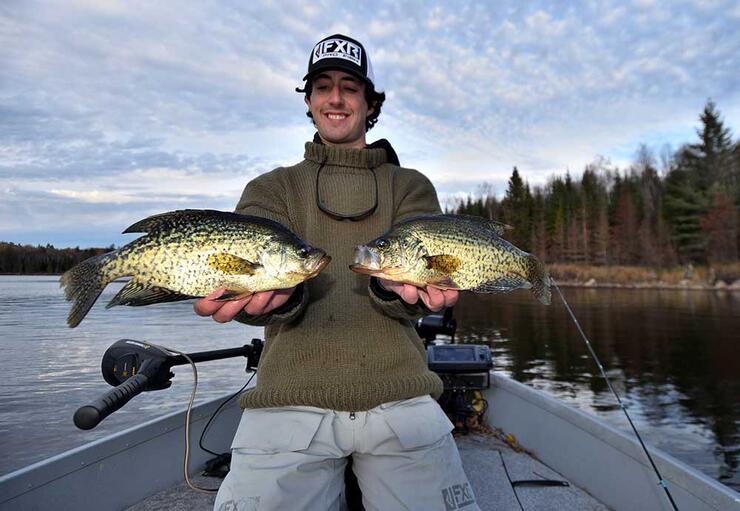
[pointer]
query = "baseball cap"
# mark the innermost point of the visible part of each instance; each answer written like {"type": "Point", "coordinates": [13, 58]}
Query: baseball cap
{"type": "Point", "coordinates": [344, 54]}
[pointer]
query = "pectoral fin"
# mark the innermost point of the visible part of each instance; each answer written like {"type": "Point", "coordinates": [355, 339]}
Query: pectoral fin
{"type": "Point", "coordinates": [136, 293]}
{"type": "Point", "coordinates": [443, 263]}
{"type": "Point", "coordinates": [232, 265]}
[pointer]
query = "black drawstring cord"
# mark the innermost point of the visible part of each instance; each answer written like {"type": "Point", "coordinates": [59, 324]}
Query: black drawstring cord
{"type": "Point", "coordinates": [339, 216]}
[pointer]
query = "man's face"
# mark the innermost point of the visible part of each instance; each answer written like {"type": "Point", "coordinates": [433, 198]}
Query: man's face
{"type": "Point", "coordinates": [339, 109]}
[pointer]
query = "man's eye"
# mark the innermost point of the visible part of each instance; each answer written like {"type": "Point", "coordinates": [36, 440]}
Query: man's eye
{"type": "Point", "coordinates": [351, 90]}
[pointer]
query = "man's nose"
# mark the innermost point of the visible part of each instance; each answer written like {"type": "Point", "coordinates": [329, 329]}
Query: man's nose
{"type": "Point", "coordinates": [335, 96]}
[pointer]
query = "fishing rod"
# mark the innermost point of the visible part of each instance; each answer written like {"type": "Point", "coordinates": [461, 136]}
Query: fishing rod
{"type": "Point", "coordinates": [662, 482]}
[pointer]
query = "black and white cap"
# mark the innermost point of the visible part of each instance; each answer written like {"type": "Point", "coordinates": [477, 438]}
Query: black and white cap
{"type": "Point", "coordinates": [342, 53]}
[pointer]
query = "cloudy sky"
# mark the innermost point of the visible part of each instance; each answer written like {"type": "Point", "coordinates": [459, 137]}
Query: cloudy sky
{"type": "Point", "coordinates": [111, 111]}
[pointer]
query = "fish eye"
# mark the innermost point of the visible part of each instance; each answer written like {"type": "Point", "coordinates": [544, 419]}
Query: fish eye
{"type": "Point", "coordinates": [382, 243]}
{"type": "Point", "coordinates": [304, 251]}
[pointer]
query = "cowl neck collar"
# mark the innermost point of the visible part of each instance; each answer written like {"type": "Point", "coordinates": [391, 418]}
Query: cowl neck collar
{"type": "Point", "coordinates": [373, 155]}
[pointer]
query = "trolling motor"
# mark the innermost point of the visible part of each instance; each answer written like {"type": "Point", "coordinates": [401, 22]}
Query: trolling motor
{"type": "Point", "coordinates": [133, 367]}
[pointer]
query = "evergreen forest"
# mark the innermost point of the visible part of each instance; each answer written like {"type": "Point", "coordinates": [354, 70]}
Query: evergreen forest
{"type": "Point", "coordinates": [682, 210]}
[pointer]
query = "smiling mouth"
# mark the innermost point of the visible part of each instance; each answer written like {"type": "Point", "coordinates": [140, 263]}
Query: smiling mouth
{"type": "Point", "coordinates": [337, 117]}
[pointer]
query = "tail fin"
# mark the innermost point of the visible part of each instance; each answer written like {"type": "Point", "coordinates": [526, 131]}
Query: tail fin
{"type": "Point", "coordinates": [539, 278]}
{"type": "Point", "coordinates": [82, 286]}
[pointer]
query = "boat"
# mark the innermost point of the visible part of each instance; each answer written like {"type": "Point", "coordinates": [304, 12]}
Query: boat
{"type": "Point", "coordinates": [534, 453]}
{"type": "Point", "coordinates": [604, 468]}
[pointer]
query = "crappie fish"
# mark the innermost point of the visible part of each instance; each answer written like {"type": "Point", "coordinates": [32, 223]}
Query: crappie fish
{"type": "Point", "coordinates": [189, 253]}
{"type": "Point", "coordinates": [452, 252]}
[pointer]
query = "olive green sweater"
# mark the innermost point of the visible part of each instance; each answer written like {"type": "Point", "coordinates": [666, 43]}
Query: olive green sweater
{"type": "Point", "coordinates": [340, 343]}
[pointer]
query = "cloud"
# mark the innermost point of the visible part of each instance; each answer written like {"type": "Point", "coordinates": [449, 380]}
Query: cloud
{"type": "Point", "coordinates": [104, 105]}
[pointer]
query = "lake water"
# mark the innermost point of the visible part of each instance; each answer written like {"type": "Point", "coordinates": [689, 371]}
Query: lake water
{"type": "Point", "coordinates": [672, 356]}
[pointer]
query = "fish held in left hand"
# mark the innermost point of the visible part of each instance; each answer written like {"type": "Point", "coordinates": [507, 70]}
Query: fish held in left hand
{"type": "Point", "coordinates": [452, 252]}
{"type": "Point", "coordinates": [188, 254]}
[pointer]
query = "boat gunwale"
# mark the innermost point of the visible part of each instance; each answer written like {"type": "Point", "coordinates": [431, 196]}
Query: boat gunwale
{"type": "Point", "coordinates": [677, 473]}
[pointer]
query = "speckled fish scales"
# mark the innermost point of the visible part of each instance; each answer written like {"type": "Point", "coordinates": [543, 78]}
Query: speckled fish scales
{"type": "Point", "coordinates": [455, 252]}
{"type": "Point", "coordinates": [190, 253]}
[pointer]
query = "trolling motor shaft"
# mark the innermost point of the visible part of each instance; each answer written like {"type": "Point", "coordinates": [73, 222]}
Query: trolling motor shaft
{"type": "Point", "coordinates": [133, 367]}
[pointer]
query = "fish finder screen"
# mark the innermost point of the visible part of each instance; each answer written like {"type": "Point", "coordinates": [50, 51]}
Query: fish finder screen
{"type": "Point", "coordinates": [455, 354]}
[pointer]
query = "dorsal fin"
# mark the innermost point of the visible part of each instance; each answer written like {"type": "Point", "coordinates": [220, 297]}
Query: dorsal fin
{"type": "Point", "coordinates": [494, 225]}
{"type": "Point", "coordinates": [180, 217]}
{"type": "Point", "coordinates": [168, 220]}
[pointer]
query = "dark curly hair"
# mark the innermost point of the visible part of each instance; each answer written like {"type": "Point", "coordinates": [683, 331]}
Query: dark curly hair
{"type": "Point", "coordinates": [373, 99]}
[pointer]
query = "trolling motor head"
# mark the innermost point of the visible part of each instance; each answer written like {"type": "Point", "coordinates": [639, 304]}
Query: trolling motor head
{"type": "Point", "coordinates": [125, 358]}
{"type": "Point", "coordinates": [133, 367]}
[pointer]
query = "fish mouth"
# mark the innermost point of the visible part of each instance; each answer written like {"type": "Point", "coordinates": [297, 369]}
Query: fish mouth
{"type": "Point", "coordinates": [325, 259]}
{"type": "Point", "coordinates": [310, 270]}
{"type": "Point", "coordinates": [319, 265]}
{"type": "Point", "coordinates": [358, 268]}
{"type": "Point", "coordinates": [367, 260]}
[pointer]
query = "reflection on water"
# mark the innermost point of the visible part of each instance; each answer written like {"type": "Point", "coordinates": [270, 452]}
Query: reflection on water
{"type": "Point", "coordinates": [49, 369]}
{"type": "Point", "coordinates": [672, 356]}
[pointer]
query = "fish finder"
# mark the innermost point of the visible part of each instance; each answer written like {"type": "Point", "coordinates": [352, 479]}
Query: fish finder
{"type": "Point", "coordinates": [459, 358]}
{"type": "Point", "coordinates": [461, 366]}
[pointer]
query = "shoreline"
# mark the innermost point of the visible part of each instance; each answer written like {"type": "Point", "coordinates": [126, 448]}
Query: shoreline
{"type": "Point", "coordinates": [687, 286]}
{"type": "Point", "coordinates": [592, 283]}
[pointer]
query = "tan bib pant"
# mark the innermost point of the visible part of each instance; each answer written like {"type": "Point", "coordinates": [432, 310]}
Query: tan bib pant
{"type": "Point", "coordinates": [290, 458]}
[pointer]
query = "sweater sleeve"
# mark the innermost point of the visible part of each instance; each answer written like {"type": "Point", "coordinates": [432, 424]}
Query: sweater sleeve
{"type": "Point", "coordinates": [265, 197]}
{"type": "Point", "coordinates": [414, 195]}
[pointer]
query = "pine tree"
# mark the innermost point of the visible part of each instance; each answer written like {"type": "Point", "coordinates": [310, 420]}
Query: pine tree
{"type": "Point", "coordinates": [517, 211]}
{"type": "Point", "coordinates": [702, 171]}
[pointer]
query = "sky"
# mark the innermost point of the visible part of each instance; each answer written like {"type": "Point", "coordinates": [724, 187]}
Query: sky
{"type": "Point", "coordinates": [111, 111]}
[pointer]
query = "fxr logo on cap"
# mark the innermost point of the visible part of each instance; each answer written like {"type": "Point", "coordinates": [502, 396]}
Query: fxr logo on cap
{"type": "Point", "coordinates": [338, 49]}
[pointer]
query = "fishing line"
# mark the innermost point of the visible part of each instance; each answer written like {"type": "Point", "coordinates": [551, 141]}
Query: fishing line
{"type": "Point", "coordinates": [662, 482]}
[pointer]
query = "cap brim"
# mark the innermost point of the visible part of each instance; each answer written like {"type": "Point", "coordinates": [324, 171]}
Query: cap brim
{"type": "Point", "coordinates": [337, 66]}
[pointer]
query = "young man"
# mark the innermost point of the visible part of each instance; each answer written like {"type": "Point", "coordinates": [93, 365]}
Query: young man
{"type": "Point", "coordinates": [343, 371]}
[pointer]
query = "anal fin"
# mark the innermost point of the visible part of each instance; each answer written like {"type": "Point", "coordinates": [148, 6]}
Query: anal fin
{"type": "Point", "coordinates": [136, 293]}
{"type": "Point", "coordinates": [502, 284]}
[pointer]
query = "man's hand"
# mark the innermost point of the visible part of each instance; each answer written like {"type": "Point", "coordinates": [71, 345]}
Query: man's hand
{"type": "Point", "coordinates": [255, 304]}
{"type": "Point", "coordinates": [434, 298]}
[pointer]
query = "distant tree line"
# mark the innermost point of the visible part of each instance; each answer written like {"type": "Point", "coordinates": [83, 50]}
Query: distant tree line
{"type": "Point", "coordinates": [688, 211]}
{"type": "Point", "coordinates": [28, 259]}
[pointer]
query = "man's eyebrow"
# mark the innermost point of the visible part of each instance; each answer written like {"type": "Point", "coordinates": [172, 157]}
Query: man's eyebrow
{"type": "Point", "coordinates": [348, 78]}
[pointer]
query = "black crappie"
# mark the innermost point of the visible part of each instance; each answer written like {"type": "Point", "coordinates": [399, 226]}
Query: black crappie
{"type": "Point", "coordinates": [189, 253]}
{"type": "Point", "coordinates": [452, 252]}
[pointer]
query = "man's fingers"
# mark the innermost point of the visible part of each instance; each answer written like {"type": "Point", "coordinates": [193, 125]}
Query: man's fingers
{"type": "Point", "coordinates": [230, 309]}
{"type": "Point", "coordinates": [279, 299]}
{"type": "Point", "coordinates": [432, 298]}
{"type": "Point", "coordinates": [259, 302]}
{"type": "Point", "coordinates": [207, 306]}
{"type": "Point", "coordinates": [450, 296]}
{"type": "Point", "coordinates": [409, 293]}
